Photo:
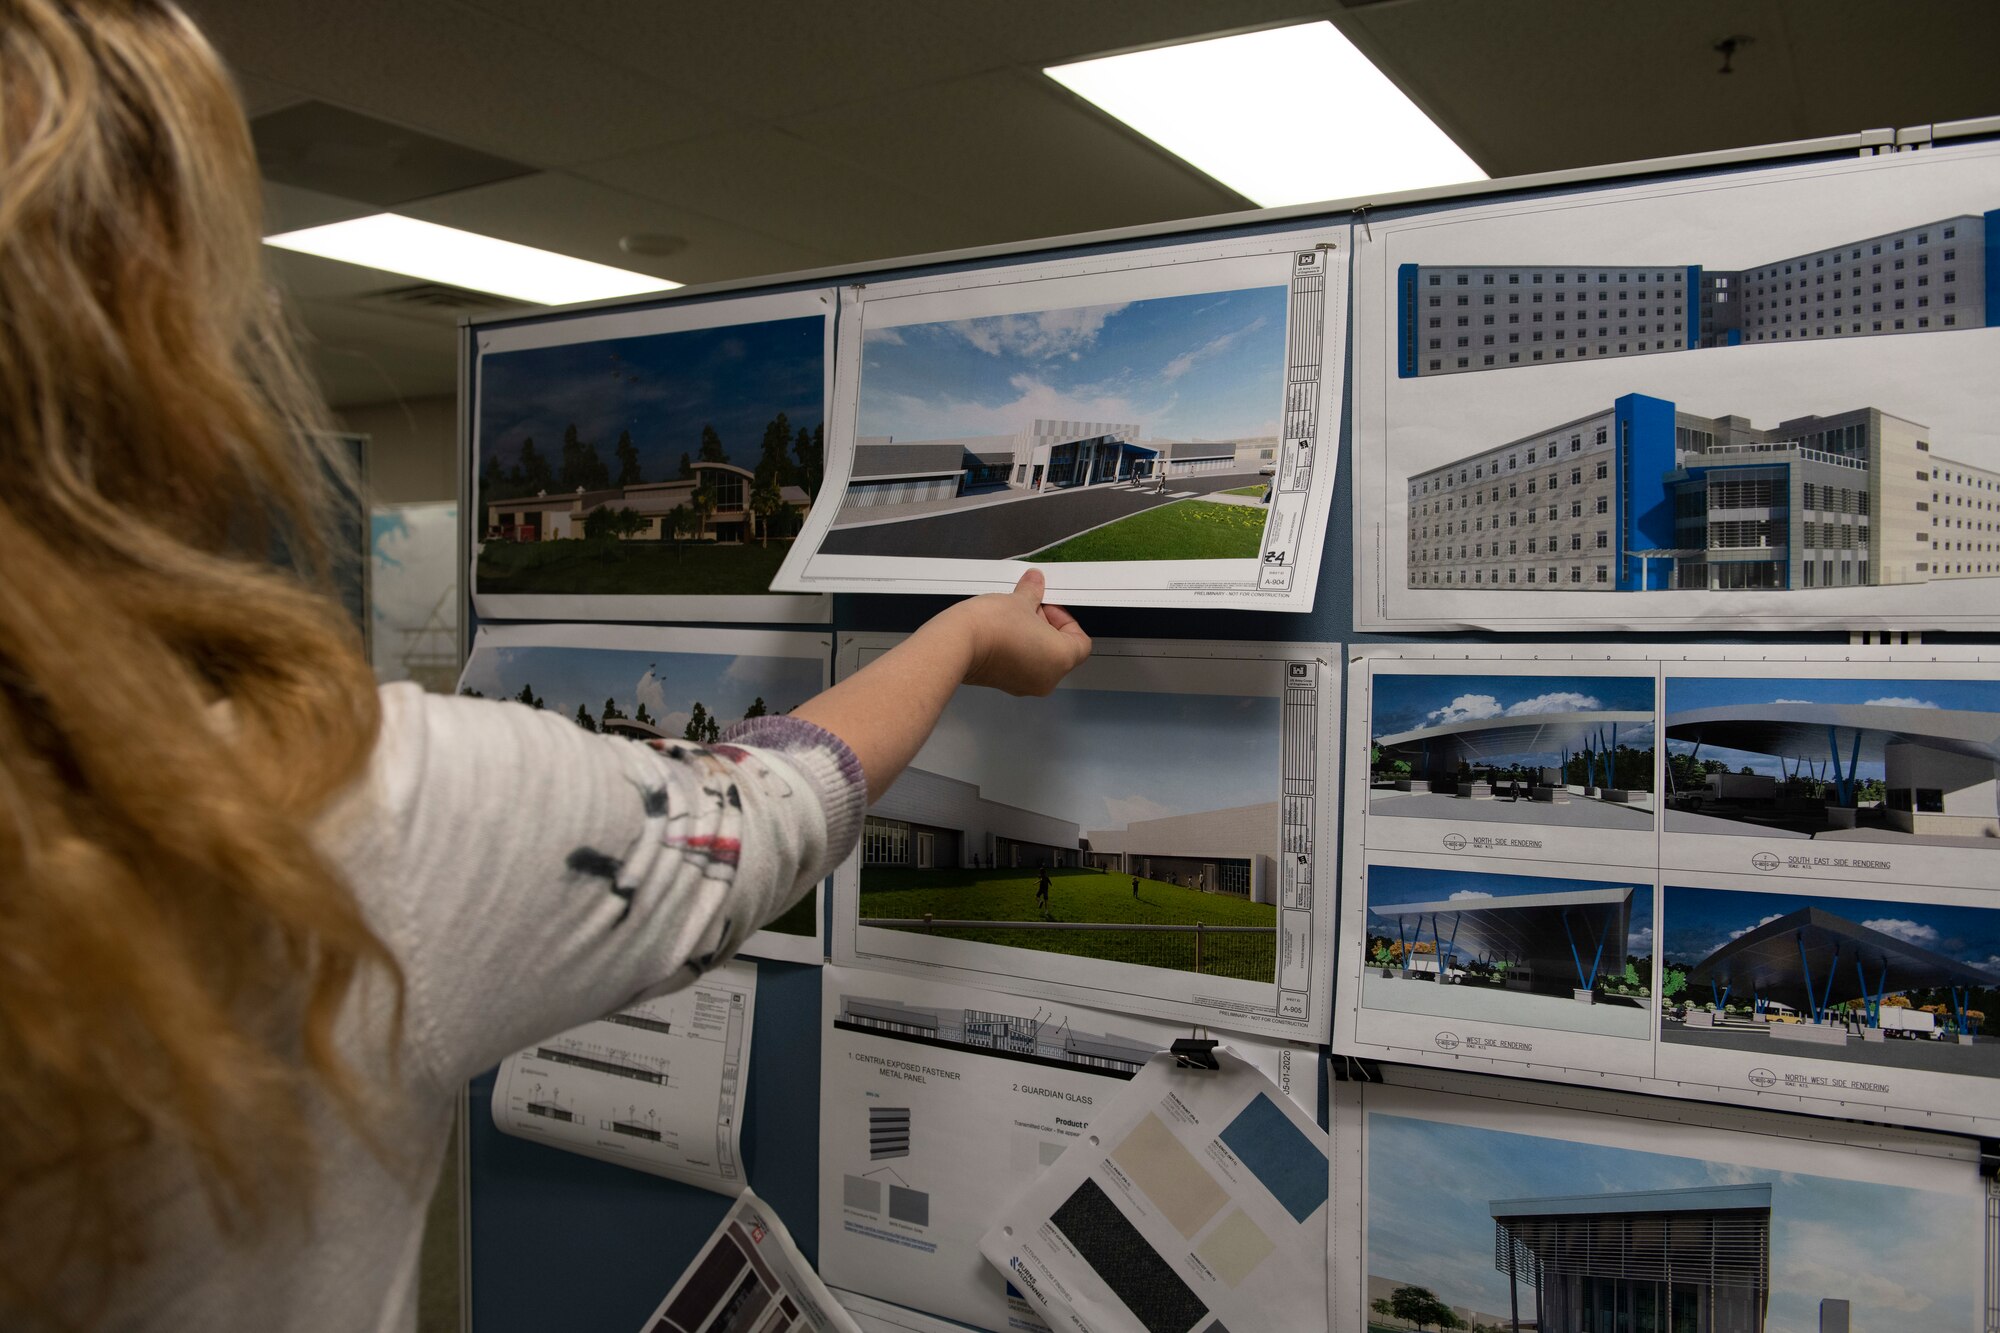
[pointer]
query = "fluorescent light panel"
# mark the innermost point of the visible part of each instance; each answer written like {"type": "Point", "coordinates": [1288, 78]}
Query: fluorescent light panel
{"type": "Point", "coordinates": [426, 250]}
{"type": "Point", "coordinates": [1285, 116]}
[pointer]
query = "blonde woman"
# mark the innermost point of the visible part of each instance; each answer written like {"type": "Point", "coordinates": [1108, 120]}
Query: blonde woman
{"type": "Point", "coordinates": [258, 922]}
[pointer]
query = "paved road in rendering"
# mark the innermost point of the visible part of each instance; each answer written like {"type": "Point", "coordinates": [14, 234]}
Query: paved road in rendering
{"type": "Point", "coordinates": [1003, 531]}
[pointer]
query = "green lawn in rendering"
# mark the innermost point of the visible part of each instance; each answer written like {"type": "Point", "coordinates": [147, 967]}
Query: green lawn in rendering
{"type": "Point", "coordinates": [1258, 489]}
{"type": "Point", "coordinates": [646, 567]}
{"type": "Point", "coordinates": [1184, 530]}
{"type": "Point", "coordinates": [1081, 895]}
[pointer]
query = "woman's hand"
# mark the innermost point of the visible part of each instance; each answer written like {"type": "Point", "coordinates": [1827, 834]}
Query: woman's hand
{"type": "Point", "coordinates": [1018, 642]}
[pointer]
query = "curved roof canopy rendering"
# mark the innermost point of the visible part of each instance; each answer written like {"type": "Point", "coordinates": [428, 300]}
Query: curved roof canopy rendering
{"type": "Point", "coordinates": [1492, 739]}
{"type": "Point", "coordinates": [1561, 938]}
{"type": "Point", "coordinates": [1794, 729]}
{"type": "Point", "coordinates": [1812, 959]}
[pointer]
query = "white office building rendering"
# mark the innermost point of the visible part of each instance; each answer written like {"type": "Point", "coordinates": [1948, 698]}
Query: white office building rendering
{"type": "Point", "coordinates": [1045, 455]}
{"type": "Point", "coordinates": [1221, 851]}
{"type": "Point", "coordinates": [1930, 277]}
{"type": "Point", "coordinates": [1642, 496]}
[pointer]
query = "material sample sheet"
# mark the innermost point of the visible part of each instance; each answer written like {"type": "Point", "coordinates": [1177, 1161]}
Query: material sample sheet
{"type": "Point", "coordinates": [1153, 837]}
{"type": "Point", "coordinates": [1153, 427]}
{"type": "Point", "coordinates": [648, 464]}
{"type": "Point", "coordinates": [657, 1087]}
{"type": "Point", "coordinates": [1511, 1205]}
{"type": "Point", "coordinates": [938, 1102]}
{"type": "Point", "coordinates": [1197, 1201]}
{"type": "Point", "coordinates": [1763, 395]}
{"type": "Point", "coordinates": [749, 1276]}
{"type": "Point", "coordinates": [662, 687]}
{"type": "Point", "coordinates": [1759, 875]}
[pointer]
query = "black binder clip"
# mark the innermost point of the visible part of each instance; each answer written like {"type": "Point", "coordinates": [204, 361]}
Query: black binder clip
{"type": "Point", "coordinates": [1195, 1052]}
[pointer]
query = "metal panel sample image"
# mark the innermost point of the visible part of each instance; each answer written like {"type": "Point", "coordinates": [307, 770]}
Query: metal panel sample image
{"type": "Point", "coordinates": [1892, 984]}
{"type": "Point", "coordinates": [1522, 1231]}
{"type": "Point", "coordinates": [1914, 762]}
{"type": "Point", "coordinates": [1569, 954]}
{"type": "Point", "coordinates": [1571, 752]}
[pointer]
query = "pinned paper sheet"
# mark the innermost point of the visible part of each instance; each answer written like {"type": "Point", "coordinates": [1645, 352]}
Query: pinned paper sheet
{"type": "Point", "coordinates": [749, 1276]}
{"type": "Point", "coordinates": [1196, 1204]}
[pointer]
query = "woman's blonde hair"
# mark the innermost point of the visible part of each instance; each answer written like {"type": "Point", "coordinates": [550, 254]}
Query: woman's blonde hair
{"type": "Point", "coordinates": [174, 712]}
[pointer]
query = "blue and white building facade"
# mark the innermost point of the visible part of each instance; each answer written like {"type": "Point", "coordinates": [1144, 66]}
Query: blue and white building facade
{"type": "Point", "coordinates": [1641, 496]}
{"type": "Point", "coordinates": [1931, 277]}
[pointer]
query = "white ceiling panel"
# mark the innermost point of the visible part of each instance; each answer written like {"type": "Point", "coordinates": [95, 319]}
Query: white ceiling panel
{"type": "Point", "coordinates": [778, 184]}
{"type": "Point", "coordinates": [455, 72]}
{"type": "Point", "coordinates": [362, 356]}
{"type": "Point", "coordinates": [572, 216]}
{"type": "Point", "coordinates": [1020, 154]}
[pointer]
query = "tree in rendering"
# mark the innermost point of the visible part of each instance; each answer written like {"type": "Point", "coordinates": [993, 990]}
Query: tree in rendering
{"type": "Point", "coordinates": [612, 712]}
{"type": "Point", "coordinates": [583, 718]}
{"type": "Point", "coordinates": [582, 469]}
{"type": "Point", "coordinates": [535, 474]}
{"type": "Point", "coordinates": [702, 728]}
{"type": "Point", "coordinates": [767, 502]}
{"type": "Point", "coordinates": [711, 447]}
{"type": "Point", "coordinates": [703, 502]}
{"type": "Point", "coordinates": [756, 708]}
{"type": "Point", "coordinates": [528, 696]}
{"type": "Point", "coordinates": [806, 448]}
{"type": "Point", "coordinates": [627, 453]}
{"type": "Point", "coordinates": [683, 523]}
{"type": "Point", "coordinates": [642, 715]}
{"type": "Point", "coordinates": [774, 464]}
{"type": "Point", "coordinates": [1418, 1305]}
{"type": "Point", "coordinates": [685, 472]}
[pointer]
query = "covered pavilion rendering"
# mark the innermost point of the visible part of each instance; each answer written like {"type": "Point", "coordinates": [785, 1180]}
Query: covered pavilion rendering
{"type": "Point", "coordinates": [1814, 963]}
{"type": "Point", "coordinates": [1550, 943]}
{"type": "Point", "coordinates": [1940, 770]}
{"type": "Point", "coordinates": [1463, 761]}
{"type": "Point", "coordinates": [1645, 1260]}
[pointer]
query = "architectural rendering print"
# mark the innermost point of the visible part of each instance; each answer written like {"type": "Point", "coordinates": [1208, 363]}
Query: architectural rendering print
{"type": "Point", "coordinates": [1914, 762]}
{"type": "Point", "coordinates": [1642, 496]}
{"type": "Point", "coordinates": [1136, 827]}
{"type": "Point", "coordinates": [652, 696]}
{"type": "Point", "coordinates": [1569, 751]}
{"type": "Point", "coordinates": [1895, 984]}
{"type": "Point", "coordinates": [1931, 277]}
{"type": "Point", "coordinates": [671, 463]}
{"type": "Point", "coordinates": [1574, 955]}
{"type": "Point", "coordinates": [1559, 1235]}
{"type": "Point", "coordinates": [1037, 1035]}
{"type": "Point", "coordinates": [1146, 430]}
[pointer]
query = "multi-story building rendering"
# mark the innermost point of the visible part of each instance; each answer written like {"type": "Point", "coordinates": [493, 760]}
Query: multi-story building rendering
{"type": "Point", "coordinates": [1046, 455]}
{"type": "Point", "coordinates": [1930, 277]}
{"type": "Point", "coordinates": [1641, 496]}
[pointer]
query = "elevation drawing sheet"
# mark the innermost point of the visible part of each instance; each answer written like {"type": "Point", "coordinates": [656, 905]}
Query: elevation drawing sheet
{"type": "Point", "coordinates": [647, 464]}
{"type": "Point", "coordinates": [1764, 395]}
{"type": "Point", "coordinates": [750, 1276]}
{"type": "Point", "coordinates": [1153, 837]}
{"type": "Point", "coordinates": [1761, 875]}
{"type": "Point", "coordinates": [937, 1103]}
{"type": "Point", "coordinates": [1151, 427]}
{"type": "Point", "coordinates": [657, 1087]}
{"type": "Point", "coordinates": [1197, 1201]}
{"type": "Point", "coordinates": [663, 686]}
{"type": "Point", "coordinates": [1508, 1205]}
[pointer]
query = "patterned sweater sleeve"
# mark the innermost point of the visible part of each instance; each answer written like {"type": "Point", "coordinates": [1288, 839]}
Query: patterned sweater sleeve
{"type": "Point", "coordinates": [531, 876]}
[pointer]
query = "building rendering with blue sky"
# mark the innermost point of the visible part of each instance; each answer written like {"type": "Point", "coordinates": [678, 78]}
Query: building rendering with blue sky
{"type": "Point", "coordinates": [1932, 277]}
{"type": "Point", "coordinates": [1641, 496]}
{"type": "Point", "coordinates": [668, 685]}
{"type": "Point", "coordinates": [1904, 1258]}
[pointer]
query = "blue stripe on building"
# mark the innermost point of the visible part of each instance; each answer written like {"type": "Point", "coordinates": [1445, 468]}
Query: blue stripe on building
{"type": "Point", "coordinates": [1644, 436]}
{"type": "Point", "coordinates": [1406, 318]}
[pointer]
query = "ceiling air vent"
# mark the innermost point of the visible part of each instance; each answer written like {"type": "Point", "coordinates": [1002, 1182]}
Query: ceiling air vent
{"type": "Point", "coordinates": [440, 296]}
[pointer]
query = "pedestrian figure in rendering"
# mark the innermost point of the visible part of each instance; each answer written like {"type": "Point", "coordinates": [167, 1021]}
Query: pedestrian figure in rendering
{"type": "Point", "coordinates": [1135, 886]}
{"type": "Point", "coordinates": [1042, 888]}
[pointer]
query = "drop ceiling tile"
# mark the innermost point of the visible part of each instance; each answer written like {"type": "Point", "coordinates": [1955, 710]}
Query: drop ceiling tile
{"type": "Point", "coordinates": [361, 356]}
{"type": "Point", "coordinates": [763, 59]}
{"type": "Point", "coordinates": [1021, 154]}
{"type": "Point", "coordinates": [1034, 33]}
{"type": "Point", "coordinates": [781, 185]}
{"type": "Point", "coordinates": [454, 72]}
{"type": "Point", "coordinates": [572, 216]}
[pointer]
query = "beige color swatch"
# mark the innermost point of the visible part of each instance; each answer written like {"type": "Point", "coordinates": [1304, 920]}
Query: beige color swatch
{"type": "Point", "coordinates": [1178, 1185]}
{"type": "Point", "coordinates": [1234, 1249]}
